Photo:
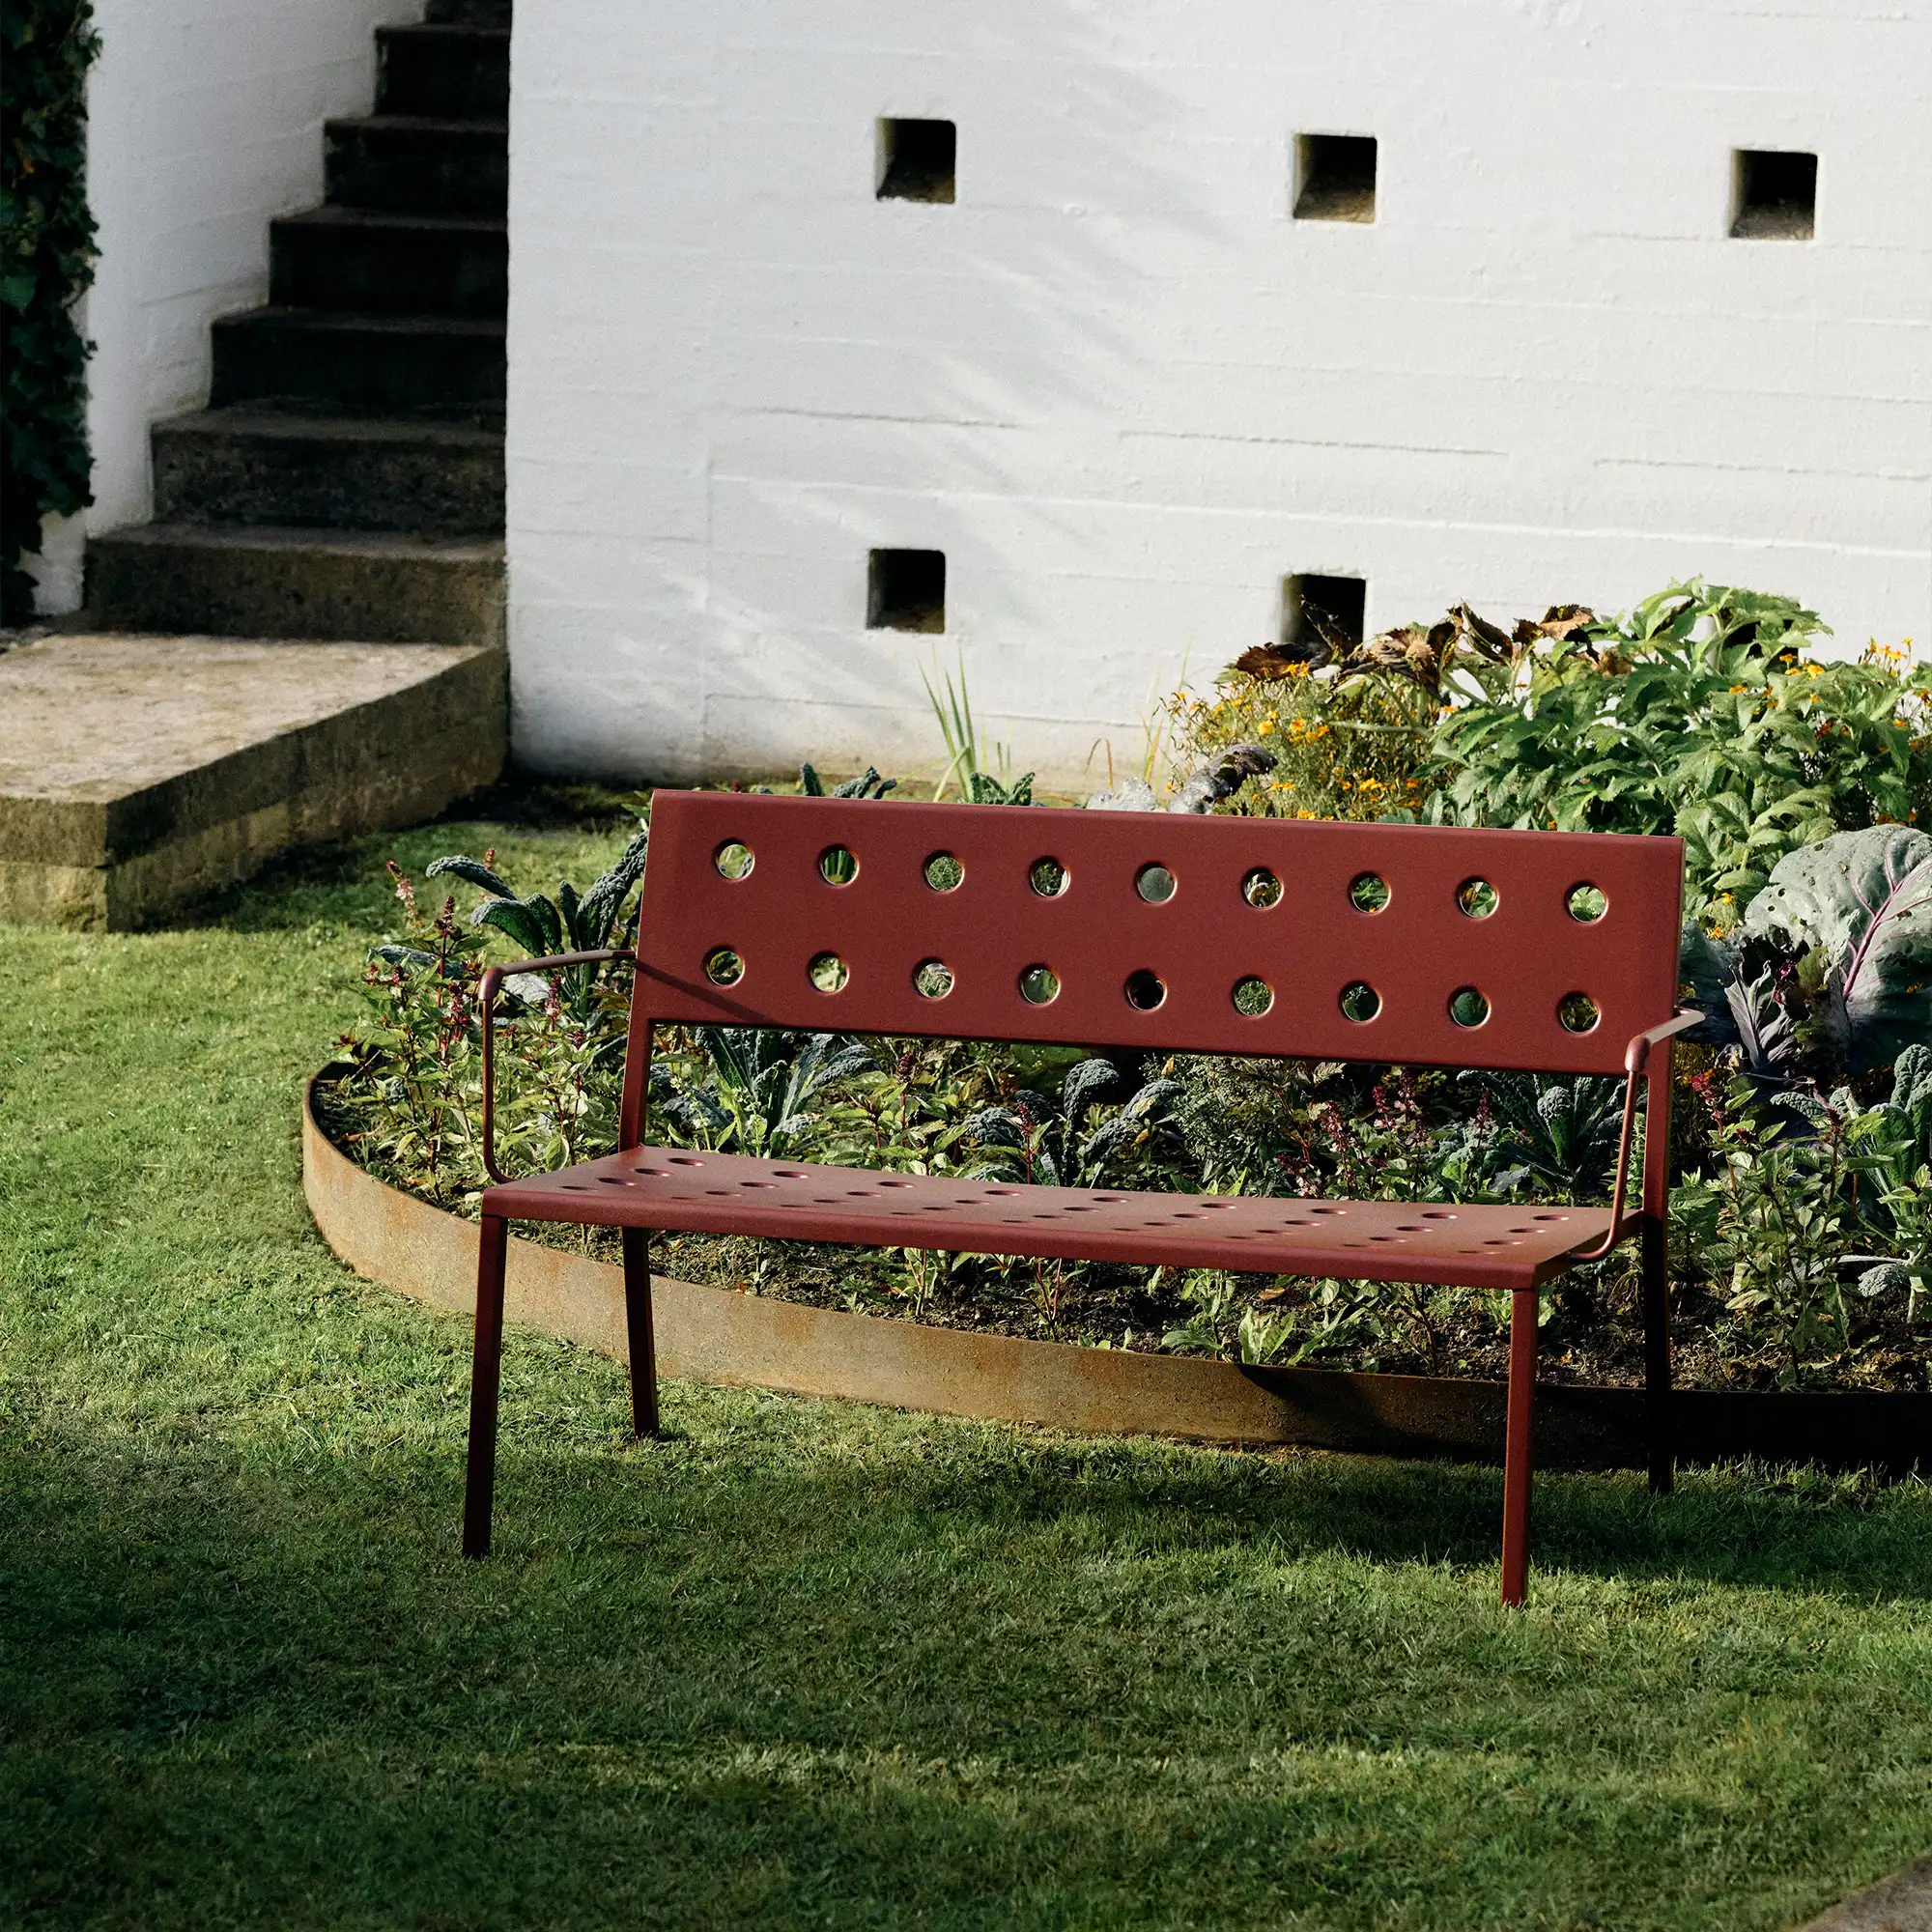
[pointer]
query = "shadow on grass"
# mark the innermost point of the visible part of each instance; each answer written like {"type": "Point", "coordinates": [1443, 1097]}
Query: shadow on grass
{"type": "Point", "coordinates": [344, 882]}
{"type": "Point", "coordinates": [898, 1668]}
{"type": "Point", "coordinates": [1843, 1536]}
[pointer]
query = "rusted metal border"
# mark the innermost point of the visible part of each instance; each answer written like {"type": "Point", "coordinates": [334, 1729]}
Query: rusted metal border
{"type": "Point", "coordinates": [733, 1340]}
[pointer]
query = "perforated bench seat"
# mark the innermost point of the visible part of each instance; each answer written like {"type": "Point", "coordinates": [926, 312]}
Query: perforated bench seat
{"type": "Point", "coordinates": [677, 1190]}
{"type": "Point", "coordinates": [1159, 934]}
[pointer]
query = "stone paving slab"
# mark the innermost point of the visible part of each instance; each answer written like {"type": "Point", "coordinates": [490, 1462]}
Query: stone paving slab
{"type": "Point", "coordinates": [136, 772]}
{"type": "Point", "coordinates": [1901, 1903]}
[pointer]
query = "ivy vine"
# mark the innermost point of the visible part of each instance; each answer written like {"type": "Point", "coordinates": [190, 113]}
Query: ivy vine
{"type": "Point", "coordinates": [46, 261]}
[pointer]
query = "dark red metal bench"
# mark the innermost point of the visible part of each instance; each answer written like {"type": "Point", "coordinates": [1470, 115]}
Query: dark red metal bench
{"type": "Point", "coordinates": [1541, 951]}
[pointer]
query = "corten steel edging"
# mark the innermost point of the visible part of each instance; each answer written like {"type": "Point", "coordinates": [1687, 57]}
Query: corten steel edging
{"type": "Point", "coordinates": [720, 1336]}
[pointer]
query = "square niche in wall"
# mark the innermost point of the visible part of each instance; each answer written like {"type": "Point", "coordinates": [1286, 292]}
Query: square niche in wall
{"type": "Point", "coordinates": [1334, 178]}
{"type": "Point", "coordinates": [906, 590]}
{"type": "Point", "coordinates": [917, 160]}
{"type": "Point", "coordinates": [1323, 614]}
{"type": "Point", "coordinates": [1774, 194]}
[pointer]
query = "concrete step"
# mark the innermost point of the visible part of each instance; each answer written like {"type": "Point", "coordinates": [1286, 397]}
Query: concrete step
{"type": "Point", "coordinates": [468, 12]}
{"type": "Point", "coordinates": [380, 263]}
{"type": "Point", "coordinates": [264, 582]}
{"type": "Point", "coordinates": [455, 71]}
{"type": "Point", "coordinates": [139, 772]}
{"type": "Point", "coordinates": [420, 165]}
{"type": "Point", "coordinates": [426, 365]}
{"type": "Point", "coordinates": [255, 465]}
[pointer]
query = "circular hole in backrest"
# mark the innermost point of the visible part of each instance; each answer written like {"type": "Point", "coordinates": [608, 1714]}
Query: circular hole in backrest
{"type": "Point", "coordinates": [932, 979]}
{"type": "Point", "coordinates": [942, 872]}
{"type": "Point", "coordinates": [1585, 903]}
{"type": "Point", "coordinates": [1368, 892]}
{"type": "Point", "coordinates": [1359, 1002]}
{"type": "Point", "coordinates": [722, 967]}
{"type": "Point", "coordinates": [828, 973]}
{"type": "Point", "coordinates": [1252, 997]}
{"type": "Point", "coordinates": [1154, 884]}
{"type": "Point", "coordinates": [733, 859]}
{"type": "Point", "coordinates": [1577, 1012]}
{"type": "Point", "coordinates": [1477, 898]}
{"type": "Point", "coordinates": [1144, 990]}
{"type": "Point", "coordinates": [1039, 986]}
{"type": "Point", "coordinates": [1047, 877]}
{"type": "Point", "coordinates": [1260, 887]}
{"type": "Point", "coordinates": [1468, 1007]}
{"type": "Point", "coordinates": [837, 866]}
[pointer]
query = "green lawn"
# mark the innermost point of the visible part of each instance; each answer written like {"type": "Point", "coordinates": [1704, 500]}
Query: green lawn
{"type": "Point", "coordinates": [805, 1664]}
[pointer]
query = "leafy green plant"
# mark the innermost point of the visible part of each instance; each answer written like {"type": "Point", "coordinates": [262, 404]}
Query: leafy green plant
{"type": "Point", "coordinates": [1560, 1134]}
{"type": "Point", "coordinates": [1271, 1331]}
{"type": "Point", "coordinates": [544, 926]}
{"type": "Point", "coordinates": [908, 1109]}
{"type": "Point", "coordinates": [46, 262]}
{"type": "Point", "coordinates": [1864, 900]}
{"type": "Point", "coordinates": [413, 1087]}
{"type": "Point", "coordinates": [1031, 1139]}
{"type": "Point", "coordinates": [415, 1096]}
{"type": "Point", "coordinates": [1697, 714]}
{"type": "Point", "coordinates": [1815, 1217]}
{"type": "Point", "coordinates": [756, 1089]}
{"type": "Point", "coordinates": [1779, 1239]}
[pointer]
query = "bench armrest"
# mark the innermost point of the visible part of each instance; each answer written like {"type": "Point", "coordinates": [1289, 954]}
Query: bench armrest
{"type": "Point", "coordinates": [493, 977]}
{"type": "Point", "coordinates": [1636, 1055]}
{"type": "Point", "coordinates": [1637, 1064]}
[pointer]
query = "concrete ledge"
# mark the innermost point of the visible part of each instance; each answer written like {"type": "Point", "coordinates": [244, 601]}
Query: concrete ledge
{"type": "Point", "coordinates": [136, 772]}
{"type": "Point", "coordinates": [720, 1336]}
{"type": "Point", "coordinates": [366, 587]}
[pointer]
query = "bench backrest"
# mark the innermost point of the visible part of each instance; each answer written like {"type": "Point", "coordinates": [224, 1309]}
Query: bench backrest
{"type": "Point", "coordinates": [1373, 942]}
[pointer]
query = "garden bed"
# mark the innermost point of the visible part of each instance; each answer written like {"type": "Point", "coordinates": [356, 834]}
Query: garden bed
{"type": "Point", "coordinates": [732, 1337]}
{"type": "Point", "coordinates": [1800, 1227]}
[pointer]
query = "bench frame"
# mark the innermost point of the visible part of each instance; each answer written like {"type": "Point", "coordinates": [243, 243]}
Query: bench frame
{"type": "Point", "coordinates": [855, 881]}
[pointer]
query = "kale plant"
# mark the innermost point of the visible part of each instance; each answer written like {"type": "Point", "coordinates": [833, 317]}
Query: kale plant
{"type": "Point", "coordinates": [1553, 1133]}
{"type": "Point", "coordinates": [1031, 1139]}
{"type": "Point", "coordinates": [758, 1091]}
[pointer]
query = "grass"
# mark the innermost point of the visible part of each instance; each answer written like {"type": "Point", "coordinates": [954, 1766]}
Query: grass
{"type": "Point", "coordinates": [805, 1664]}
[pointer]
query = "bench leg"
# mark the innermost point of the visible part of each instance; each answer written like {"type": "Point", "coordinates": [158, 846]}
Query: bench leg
{"type": "Point", "coordinates": [1656, 1359]}
{"type": "Point", "coordinates": [485, 1382]}
{"type": "Point", "coordinates": [1520, 1450]}
{"type": "Point", "coordinates": [636, 1244]}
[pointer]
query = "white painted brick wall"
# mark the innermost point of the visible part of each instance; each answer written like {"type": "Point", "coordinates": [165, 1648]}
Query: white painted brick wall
{"type": "Point", "coordinates": [1127, 393]}
{"type": "Point", "coordinates": [204, 122]}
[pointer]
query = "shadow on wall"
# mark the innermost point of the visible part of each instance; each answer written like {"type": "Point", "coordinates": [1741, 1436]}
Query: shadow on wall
{"type": "Point", "coordinates": [901, 372]}
{"type": "Point", "coordinates": [1010, 313]}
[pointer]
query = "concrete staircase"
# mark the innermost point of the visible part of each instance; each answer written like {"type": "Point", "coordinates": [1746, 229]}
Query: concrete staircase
{"type": "Point", "coordinates": [322, 589]}
{"type": "Point", "coordinates": [346, 480]}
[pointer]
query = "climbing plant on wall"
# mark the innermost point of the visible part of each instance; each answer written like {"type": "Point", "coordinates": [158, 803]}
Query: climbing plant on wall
{"type": "Point", "coordinates": [46, 259]}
